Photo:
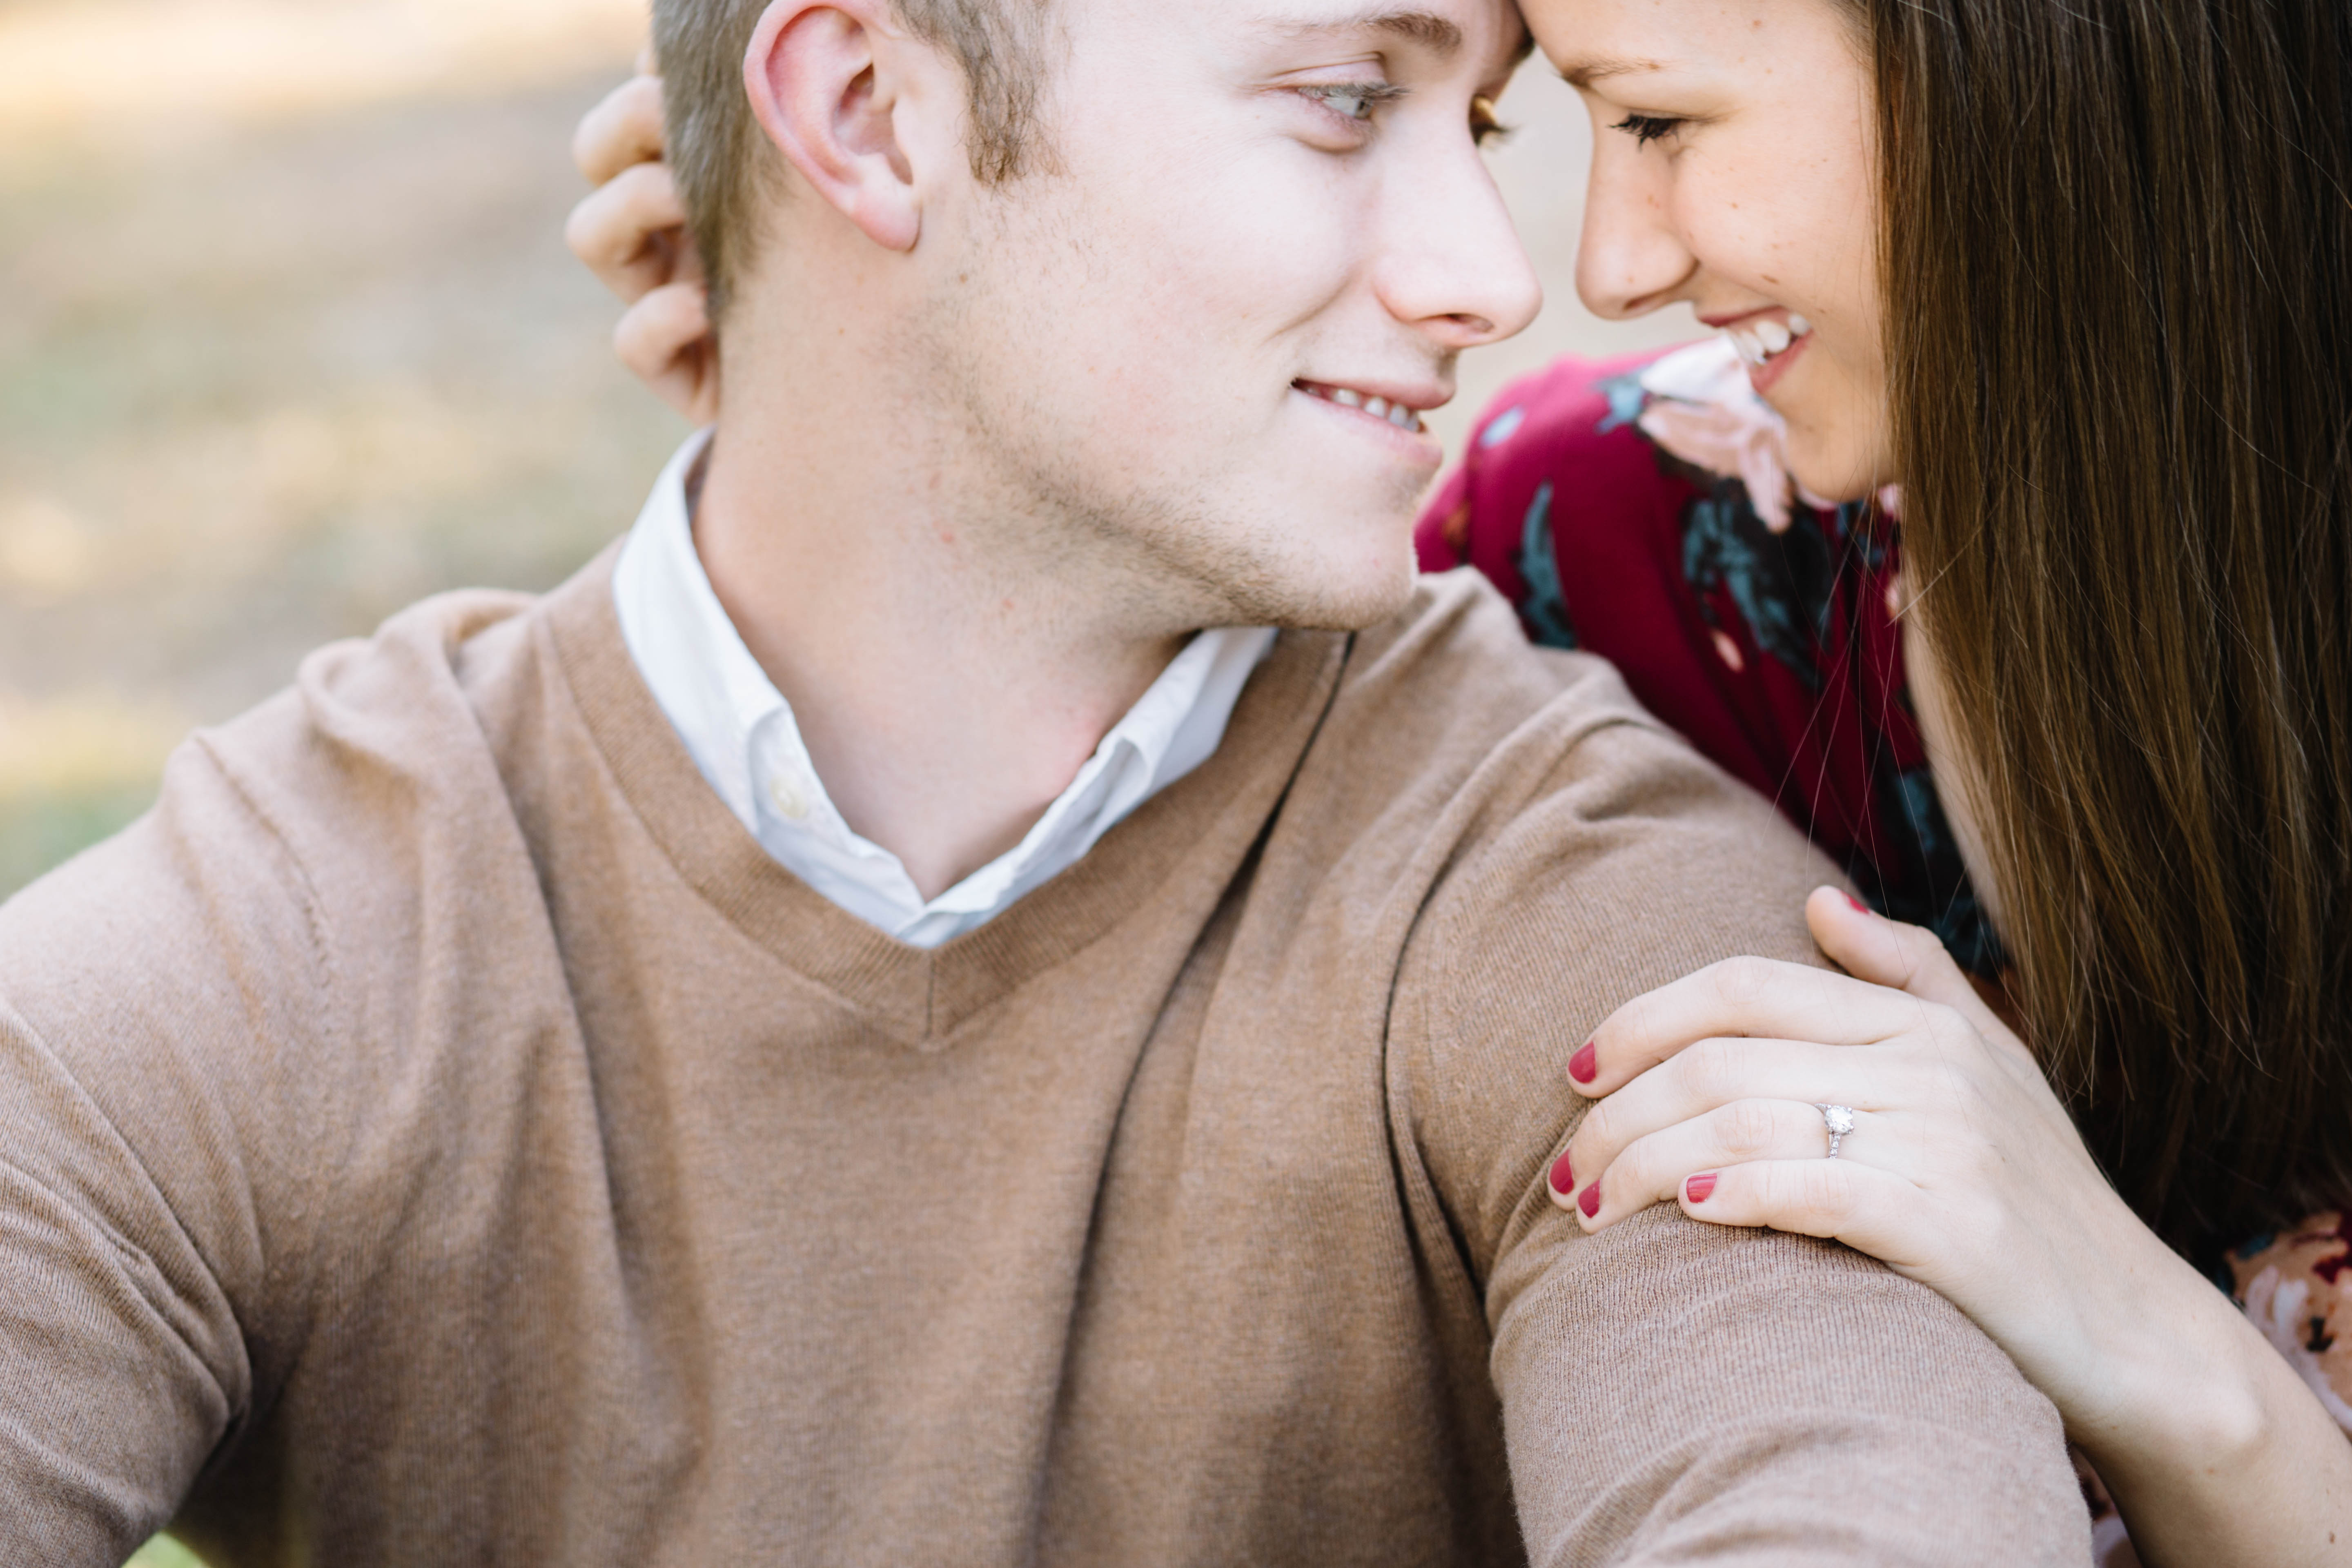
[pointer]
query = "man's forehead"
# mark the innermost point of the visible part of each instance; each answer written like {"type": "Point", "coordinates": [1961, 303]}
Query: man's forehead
{"type": "Point", "coordinates": [1444, 29]}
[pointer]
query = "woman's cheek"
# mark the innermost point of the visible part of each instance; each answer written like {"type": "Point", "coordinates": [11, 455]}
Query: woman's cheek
{"type": "Point", "coordinates": [1839, 441]}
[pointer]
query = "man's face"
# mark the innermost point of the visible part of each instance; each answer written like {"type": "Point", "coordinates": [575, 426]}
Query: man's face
{"type": "Point", "coordinates": [1259, 217]}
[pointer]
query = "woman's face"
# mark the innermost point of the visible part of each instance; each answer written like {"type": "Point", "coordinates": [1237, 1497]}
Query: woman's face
{"type": "Point", "coordinates": [1733, 169]}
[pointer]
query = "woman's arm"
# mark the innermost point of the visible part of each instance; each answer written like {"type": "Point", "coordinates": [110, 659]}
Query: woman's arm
{"type": "Point", "coordinates": [631, 231]}
{"type": "Point", "coordinates": [1963, 1171]}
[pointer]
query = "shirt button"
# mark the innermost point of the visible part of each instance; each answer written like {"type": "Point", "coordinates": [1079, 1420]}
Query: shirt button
{"type": "Point", "coordinates": [791, 797]}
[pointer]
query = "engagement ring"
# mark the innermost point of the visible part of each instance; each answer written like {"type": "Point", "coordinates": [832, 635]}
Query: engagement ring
{"type": "Point", "coordinates": [1839, 1118]}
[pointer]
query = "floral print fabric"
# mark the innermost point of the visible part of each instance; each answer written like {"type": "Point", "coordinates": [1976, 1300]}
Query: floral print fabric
{"type": "Point", "coordinates": [2295, 1287]}
{"type": "Point", "coordinates": [1639, 509]}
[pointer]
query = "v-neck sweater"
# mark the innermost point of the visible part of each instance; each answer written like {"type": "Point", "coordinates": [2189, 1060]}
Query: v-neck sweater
{"type": "Point", "coordinates": [440, 1135]}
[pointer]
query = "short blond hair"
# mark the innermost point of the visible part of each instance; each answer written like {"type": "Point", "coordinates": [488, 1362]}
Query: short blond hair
{"type": "Point", "coordinates": [725, 168]}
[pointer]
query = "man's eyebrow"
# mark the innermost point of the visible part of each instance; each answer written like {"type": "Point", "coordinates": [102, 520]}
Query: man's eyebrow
{"type": "Point", "coordinates": [1439, 35]}
{"type": "Point", "coordinates": [1584, 73]}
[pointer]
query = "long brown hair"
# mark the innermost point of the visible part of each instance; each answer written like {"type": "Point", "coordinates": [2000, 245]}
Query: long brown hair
{"type": "Point", "coordinates": [2119, 269]}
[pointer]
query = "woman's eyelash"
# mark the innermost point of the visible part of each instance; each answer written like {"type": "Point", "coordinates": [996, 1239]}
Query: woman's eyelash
{"type": "Point", "coordinates": [1354, 100]}
{"type": "Point", "coordinates": [1486, 127]}
{"type": "Point", "coordinates": [1647, 127]}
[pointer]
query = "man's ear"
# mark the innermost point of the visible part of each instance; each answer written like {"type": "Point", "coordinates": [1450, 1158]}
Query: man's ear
{"type": "Point", "coordinates": [832, 81]}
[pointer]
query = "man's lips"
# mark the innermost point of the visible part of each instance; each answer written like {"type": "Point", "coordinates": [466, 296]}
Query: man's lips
{"type": "Point", "coordinates": [1399, 406]}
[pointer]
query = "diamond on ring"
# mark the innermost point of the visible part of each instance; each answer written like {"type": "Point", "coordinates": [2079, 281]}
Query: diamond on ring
{"type": "Point", "coordinates": [1839, 1119]}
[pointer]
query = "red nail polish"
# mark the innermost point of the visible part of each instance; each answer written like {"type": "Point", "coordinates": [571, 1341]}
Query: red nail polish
{"type": "Point", "coordinates": [1563, 1175]}
{"type": "Point", "coordinates": [1585, 1064]}
{"type": "Point", "coordinates": [1591, 1202]}
{"type": "Point", "coordinates": [1700, 1187]}
{"type": "Point", "coordinates": [1859, 907]}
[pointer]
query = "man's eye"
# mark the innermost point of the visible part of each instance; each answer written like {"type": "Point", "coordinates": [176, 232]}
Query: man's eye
{"type": "Point", "coordinates": [1354, 100]}
{"type": "Point", "coordinates": [1647, 127]}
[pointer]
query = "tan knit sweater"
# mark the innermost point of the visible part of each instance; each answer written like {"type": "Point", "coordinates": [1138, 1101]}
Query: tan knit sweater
{"type": "Point", "coordinates": [439, 1135]}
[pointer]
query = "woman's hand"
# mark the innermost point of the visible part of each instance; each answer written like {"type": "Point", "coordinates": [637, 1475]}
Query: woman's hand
{"type": "Point", "coordinates": [1709, 1091]}
{"type": "Point", "coordinates": [631, 231]}
{"type": "Point", "coordinates": [1963, 1171]}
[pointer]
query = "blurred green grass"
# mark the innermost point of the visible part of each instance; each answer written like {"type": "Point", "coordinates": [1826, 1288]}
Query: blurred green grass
{"type": "Point", "coordinates": [44, 831]}
{"type": "Point", "coordinates": [267, 378]}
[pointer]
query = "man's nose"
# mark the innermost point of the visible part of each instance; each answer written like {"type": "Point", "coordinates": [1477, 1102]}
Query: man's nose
{"type": "Point", "coordinates": [1459, 271]}
{"type": "Point", "coordinates": [1631, 259]}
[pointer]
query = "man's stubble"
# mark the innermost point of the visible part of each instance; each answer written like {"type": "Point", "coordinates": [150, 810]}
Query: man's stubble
{"type": "Point", "coordinates": [1163, 552]}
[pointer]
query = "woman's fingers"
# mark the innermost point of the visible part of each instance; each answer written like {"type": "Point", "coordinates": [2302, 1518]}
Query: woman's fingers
{"type": "Point", "coordinates": [1713, 1075]}
{"type": "Point", "coordinates": [630, 231]}
{"type": "Point", "coordinates": [1869, 1209]}
{"type": "Point", "coordinates": [623, 130]}
{"type": "Point", "coordinates": [1652, 1169]}
{"type": "Point", "coordinates": [1745, 996]}
{"type": "Point", "coordinates": [1869, 946]}
{"type": "Point", "coordinates": [664, 341]}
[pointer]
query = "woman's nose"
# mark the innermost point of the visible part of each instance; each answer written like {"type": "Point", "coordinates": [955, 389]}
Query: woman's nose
{"type": "Point", "coordinates": [1631, 258]}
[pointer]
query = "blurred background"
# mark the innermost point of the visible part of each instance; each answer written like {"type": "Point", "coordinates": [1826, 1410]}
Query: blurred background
{"type": "Point", "coordinates": [290, 339]}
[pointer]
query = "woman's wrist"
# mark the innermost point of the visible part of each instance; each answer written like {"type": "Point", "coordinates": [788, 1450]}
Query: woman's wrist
{"type": "Point", "coordinates": [2186, 1377]}
{"type": "Point", "coordinates": [2212, 1446]}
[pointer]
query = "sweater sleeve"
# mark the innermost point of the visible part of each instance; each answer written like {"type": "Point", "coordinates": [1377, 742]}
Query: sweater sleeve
{"type": "Point", "coordinates": [1673, 1392]}
{"type": "Point", "coordinates": [148, 994]}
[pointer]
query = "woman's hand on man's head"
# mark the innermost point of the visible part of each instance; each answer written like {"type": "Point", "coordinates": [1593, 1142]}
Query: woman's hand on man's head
{"type": "Point", "coordinates": [631, 231]}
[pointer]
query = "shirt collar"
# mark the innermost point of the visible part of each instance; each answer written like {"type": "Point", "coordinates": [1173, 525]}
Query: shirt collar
{"type": "Point", "coordinates": [744, 739]}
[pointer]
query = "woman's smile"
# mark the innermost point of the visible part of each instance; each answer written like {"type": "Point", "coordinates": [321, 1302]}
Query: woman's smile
{"type": "Point", "coordinates": [1769, 341]}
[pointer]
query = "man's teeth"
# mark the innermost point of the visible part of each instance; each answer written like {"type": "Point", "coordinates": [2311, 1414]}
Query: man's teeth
{"type": "Point", "coordinates": [1758, 344]}
{"type": "Point", "coordinates": [1396, 414]}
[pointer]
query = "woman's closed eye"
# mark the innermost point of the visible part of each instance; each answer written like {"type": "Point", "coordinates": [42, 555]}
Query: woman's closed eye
{"type": "Point", "coordinates": [1647, 127]}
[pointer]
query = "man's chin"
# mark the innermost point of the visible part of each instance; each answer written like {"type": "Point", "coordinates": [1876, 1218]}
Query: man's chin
{"type": "Point", "coordinates": [1333, 602]}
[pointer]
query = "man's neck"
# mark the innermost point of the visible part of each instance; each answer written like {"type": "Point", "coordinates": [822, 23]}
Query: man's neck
{"type": "Point", "coordinates": [947, 695]}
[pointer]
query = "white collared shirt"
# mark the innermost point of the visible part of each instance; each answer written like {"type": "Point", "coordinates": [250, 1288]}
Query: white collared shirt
{"type": "Point", "coordinates": [743, 736]}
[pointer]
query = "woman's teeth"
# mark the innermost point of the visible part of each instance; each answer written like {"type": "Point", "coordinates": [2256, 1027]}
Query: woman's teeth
{"type": "Point", "coordinates": [1758, 343]}
{"type": "Point", "coordinates": [1396, 414]}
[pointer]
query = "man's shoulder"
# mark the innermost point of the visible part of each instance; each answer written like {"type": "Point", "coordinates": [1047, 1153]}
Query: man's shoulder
{"type": "Point", "coordinates": [1458, 647]}
{"type": "Point", "coordinates": [1562, 852]}
{"type": "Point", "coordinates": [1453, 683]}
{"type": "Point", "coordinates": [1505, 748]}
{"type": "Point", "coordinates": [414, 728]}
{"type": "Point", "coordinates": [317, 820]}
{"type": "Point", "coordinates": [1565, 808]}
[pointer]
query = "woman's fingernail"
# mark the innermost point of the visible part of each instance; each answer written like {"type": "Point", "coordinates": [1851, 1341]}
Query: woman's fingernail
{"type": "Point", "coordinates": [1699, 1187]}
{"type": "Point", "coordinates": [1563, 1174]}
{"type": "Point", "coordinates": [1859, 907]}
{"type": "Point", "coordinates": [1585, 1064]}
{"type": "Point", "coordinates": [1590, 1200]}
